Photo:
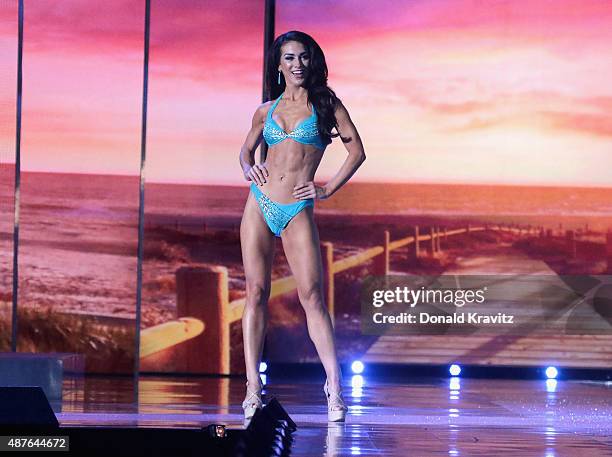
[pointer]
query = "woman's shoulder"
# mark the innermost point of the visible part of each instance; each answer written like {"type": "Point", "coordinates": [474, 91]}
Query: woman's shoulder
{"type": "Point", "coordinates": [339, 108]}
{"type": "Point", "coordinates": [265, 106]}
{"type": "Point", "coordinates": [262, 110]}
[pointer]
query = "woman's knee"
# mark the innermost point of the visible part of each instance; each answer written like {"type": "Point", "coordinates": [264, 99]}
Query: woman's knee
{"type": "Point", "coordinates": [312, 297]}
{"type": "Point", "coordinates": [257, 293]}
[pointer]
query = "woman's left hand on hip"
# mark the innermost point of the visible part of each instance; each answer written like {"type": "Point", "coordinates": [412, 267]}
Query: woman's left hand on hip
{"type": "Point", "coordinates": [309, 190]}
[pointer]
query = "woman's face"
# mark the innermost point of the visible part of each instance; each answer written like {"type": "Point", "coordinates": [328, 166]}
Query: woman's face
{"type": "Point", "coordinates": [294, 63]}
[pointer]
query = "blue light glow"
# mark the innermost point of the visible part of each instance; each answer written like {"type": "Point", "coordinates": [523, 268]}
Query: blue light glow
{"type": "Point", "coordinates": [357, 381]}
{"type": "Point", "coordinates": [454, 384]}
{"type": "Point", "coordinates": [357, 387]}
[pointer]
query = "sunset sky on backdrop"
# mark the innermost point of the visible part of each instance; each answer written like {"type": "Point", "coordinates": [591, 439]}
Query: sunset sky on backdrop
{"type": "Point", "coordinates": [441, 91]}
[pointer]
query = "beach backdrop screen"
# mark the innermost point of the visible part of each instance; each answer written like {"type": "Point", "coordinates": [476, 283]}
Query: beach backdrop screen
{"type": "Point", "coordinates": [487, 132]}
{"type": "Point", "coordinates": [491, 115]}
{"type": "Point", "coordinates": [80, 154]}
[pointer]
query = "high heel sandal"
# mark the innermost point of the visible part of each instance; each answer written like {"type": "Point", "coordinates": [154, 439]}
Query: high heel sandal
{"type": "Point", "coordinates": [336, 408]}
{"type": "Point", "coordinates": [252, 401]}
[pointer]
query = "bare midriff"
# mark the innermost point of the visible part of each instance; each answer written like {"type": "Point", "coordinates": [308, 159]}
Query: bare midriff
{"type": "Point", "coordinates": [289, 163]}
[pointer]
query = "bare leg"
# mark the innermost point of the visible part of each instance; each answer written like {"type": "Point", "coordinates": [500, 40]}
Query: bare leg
{"type": "Point", "coordinates": [257, 244]}
{"type": "Point", "coordinates": [301, 246]}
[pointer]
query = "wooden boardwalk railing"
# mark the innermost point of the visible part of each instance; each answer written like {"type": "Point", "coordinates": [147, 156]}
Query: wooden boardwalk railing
{"type": "Point", "coordinates": [203, 295]}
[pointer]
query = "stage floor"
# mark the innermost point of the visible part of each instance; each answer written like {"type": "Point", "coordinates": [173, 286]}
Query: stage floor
{"type": "Point", "coordinates": [415, 417]}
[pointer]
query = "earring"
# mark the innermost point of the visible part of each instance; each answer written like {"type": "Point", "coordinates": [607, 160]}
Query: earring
{"type": "Point", "coordinates": [279, 73]}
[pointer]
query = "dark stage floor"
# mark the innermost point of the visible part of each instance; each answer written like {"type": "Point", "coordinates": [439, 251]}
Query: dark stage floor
{"type": "Point", "coordinates": [427, 417]}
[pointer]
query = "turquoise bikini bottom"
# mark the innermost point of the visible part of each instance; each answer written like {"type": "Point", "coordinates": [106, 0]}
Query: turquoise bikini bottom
{"type": "Point", "coordinates": [278, 215]}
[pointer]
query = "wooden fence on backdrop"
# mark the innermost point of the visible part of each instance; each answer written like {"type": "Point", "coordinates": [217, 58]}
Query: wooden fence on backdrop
{"type": "Point", "coordinates": [203, 297]}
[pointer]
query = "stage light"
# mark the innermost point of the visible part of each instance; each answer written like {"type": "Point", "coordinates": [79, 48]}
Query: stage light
{"type": "Point", "coordinates": [454, 369]}
{"type": "Point", "coordinates": [268, 433]}
{"type": "Point", "coordinates": [551, 372]}
{"type": "Point", "coordinates": [217, 430]}
{"type": "Point", "coordinates": [263, 366]}
{"type": "Point", "coordinates": [357, 366]}
{"type": "Point", "coordinates": [551, 385]}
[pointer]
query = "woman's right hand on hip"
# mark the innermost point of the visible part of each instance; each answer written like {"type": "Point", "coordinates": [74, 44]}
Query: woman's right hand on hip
{"type": "Point", "coordinates": [257, 173]}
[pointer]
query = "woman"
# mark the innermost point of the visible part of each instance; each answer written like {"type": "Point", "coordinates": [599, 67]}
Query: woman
{"type": "Point", "coordinates": [282, 198]}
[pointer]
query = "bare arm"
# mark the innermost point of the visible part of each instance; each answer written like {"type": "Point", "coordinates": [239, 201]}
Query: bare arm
{"type": "Point", "coordinates": [356, 155]}
{"type": "Point", "coordinates": [251, 170]}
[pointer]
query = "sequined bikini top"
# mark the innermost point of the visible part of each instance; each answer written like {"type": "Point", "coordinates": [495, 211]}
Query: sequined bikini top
{"type": "Point", "coordinates": [306, 132]}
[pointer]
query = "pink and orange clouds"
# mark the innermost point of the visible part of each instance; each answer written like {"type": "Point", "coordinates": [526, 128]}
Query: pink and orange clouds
{"type": "Point", "coordinates": [441, 91]}
{"type": "Point", "coordinates": [471, 91]}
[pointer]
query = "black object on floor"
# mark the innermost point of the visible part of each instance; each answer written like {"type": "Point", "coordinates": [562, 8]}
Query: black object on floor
{"type": "Point", "coordinates": [25, 412]}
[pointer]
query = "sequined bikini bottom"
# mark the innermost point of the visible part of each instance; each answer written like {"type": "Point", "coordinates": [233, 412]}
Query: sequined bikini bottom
{"type": "Point", "coordinates": [278, 215]}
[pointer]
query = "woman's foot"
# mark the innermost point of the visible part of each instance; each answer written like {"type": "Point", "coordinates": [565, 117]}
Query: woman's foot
{"type": "Point", "coordinates": [252, 400]}
{"type": "Point", "coordinates": [336, 408]}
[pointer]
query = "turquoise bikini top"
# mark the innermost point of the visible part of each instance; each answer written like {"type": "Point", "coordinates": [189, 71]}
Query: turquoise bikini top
{"type": "Point", "coordinates": [306, 132]}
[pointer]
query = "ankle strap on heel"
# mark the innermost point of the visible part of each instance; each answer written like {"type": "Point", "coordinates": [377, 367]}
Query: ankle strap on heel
{"type": "Point", "coordinates": [335, 402]}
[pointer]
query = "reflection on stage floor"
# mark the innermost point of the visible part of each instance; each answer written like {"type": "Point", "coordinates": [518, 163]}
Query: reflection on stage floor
{"type": "Point", "coordinates": [420, 417]}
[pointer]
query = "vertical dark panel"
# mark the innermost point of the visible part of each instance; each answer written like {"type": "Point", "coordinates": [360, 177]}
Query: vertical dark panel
{"type": "Point", "coordinates": [141, 200]}
{"type": "Point", "coordinates": [80, 173]}
{"type": "Point", "coordinates": [269, 21]}
{"type": "Point", "coordinates": [10, 42]}
{"type": "Point", "coordinates": [14, 328]}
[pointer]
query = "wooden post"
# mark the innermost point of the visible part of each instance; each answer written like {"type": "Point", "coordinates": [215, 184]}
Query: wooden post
{"type": "Point", "coordinates": [381, 262]}
{"type": "Point", "coordinates": [467, 228]}
{"type": "Point", "coordinates": [542, 233]}
{"type": "Point", "coordinates": [160, 345]}
{"type": "Point", "coordinates": [432, 241]}
{"type": "Point", "coordinates": [570, 241]}
{"type": "Point", "coordinates": [417, 249]}
{"type": "Point", "coordinates": [202, 293]}
{"type": "Point", "coordinates": [549, 233]}
{"type": "Point", "coordinates": [438, 247]}
{"type": "Point", "coordinates": [445, 234]}
{"type": "Point", "coordinates": [327, 255]}
{"type": "Point", "coordinates": [609, 251]}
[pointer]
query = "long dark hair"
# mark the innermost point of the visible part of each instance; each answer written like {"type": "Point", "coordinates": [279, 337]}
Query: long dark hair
{"type": "Point", "coordinates": [320, 95]}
